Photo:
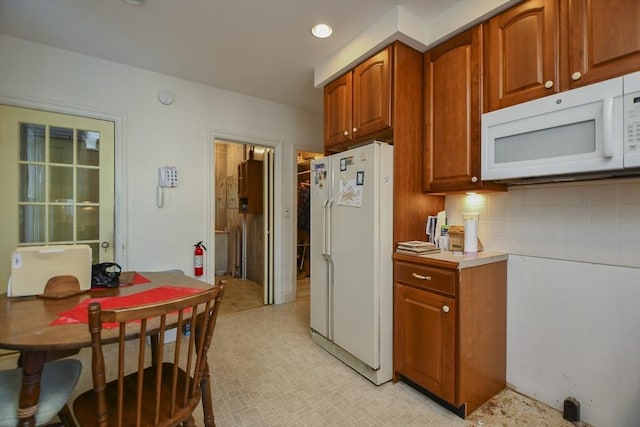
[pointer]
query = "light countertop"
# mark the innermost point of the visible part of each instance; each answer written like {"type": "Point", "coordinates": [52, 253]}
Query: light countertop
{"type": "Point", "coordinates": [455, 259]}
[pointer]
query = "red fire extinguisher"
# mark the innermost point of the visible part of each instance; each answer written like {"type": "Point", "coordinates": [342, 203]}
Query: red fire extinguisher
{"type": "Point", "coordinates": [198, 259]}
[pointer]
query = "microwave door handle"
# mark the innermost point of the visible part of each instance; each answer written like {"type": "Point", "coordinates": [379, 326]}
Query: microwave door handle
{"type": "Point", "coordinates": [608, 148]}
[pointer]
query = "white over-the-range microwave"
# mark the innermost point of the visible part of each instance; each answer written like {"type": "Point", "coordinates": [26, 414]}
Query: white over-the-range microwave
{"type": "Point", "coordinates": [589, 132]}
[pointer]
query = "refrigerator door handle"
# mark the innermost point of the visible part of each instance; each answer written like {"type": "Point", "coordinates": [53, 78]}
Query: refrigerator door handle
{"type": "Point", "coordinates": [324, 229]}
{"type": "Point", "coordinates": [330, 265]}
{"type": "Point", "coordinates": [328, 229]}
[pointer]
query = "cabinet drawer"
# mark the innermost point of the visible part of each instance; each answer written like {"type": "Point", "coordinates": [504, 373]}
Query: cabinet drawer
{"type": "Point", "coordinates": [431, 278]}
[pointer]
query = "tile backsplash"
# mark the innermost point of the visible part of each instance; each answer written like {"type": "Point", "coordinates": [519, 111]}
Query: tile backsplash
{"type": "Point", "coordinates": [594, 221]}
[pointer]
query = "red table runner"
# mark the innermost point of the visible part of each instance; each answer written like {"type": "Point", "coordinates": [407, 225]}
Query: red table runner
{"type": "Point", "coordinates": [79, 313]}
{"type": "Point", "coordinates": [137, 280]}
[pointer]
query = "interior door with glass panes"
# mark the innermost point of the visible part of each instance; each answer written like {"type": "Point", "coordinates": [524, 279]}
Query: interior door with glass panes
{"type": "Point", "coordinates": [57, 183]}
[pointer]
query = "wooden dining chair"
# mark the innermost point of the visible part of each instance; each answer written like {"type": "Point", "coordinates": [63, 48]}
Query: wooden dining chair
{"type": "Point", "coordinates": [166, 392]}
{"type": "Point", "coordinates": [58, 378]}
{"type": "Point", "coordinates": [56, 385]}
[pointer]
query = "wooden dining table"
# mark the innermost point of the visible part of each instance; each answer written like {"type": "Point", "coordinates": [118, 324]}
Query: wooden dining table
{"type": "Point", "coordinates": [26, 326]}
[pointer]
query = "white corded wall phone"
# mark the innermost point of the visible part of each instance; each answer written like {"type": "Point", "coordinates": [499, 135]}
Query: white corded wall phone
{"type": "Point", "coordinates": [167, 177]}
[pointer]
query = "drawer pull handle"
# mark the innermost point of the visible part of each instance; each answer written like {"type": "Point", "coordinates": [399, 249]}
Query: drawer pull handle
{"type": "Point", "coordinates": [420, 276]}
{"type": "Point", "coordinates": [445, 308]}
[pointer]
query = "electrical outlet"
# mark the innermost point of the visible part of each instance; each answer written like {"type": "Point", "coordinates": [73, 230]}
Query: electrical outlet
{"type": "Point", "coordinates": [571, 411]}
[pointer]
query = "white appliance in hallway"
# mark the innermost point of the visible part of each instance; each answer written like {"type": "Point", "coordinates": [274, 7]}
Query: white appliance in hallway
{"type": "Point", "coordinates": [351, 266]}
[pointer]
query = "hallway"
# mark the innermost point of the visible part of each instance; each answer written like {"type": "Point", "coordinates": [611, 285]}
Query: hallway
{"type": "Point", "coordinates": [240, 295]}
{"type": "Point", "coordinates": [243, 294]}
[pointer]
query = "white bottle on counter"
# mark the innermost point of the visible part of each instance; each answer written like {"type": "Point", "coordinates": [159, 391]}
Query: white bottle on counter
{"type": "Point", "coordinates": [443, 239]}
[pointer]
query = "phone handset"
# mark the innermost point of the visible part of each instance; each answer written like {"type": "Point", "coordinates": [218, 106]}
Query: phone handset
{"type": "Point", "coordinates": [167, 177]}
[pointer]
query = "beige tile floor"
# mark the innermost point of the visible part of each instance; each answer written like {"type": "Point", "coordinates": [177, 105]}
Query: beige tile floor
{"type": "Point", "coordinates": [267, 372]}
{"type": "Point", "coordinates": [241, 295]}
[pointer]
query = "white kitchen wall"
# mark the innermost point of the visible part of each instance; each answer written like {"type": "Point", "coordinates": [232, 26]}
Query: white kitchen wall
{"type": "Point", "coordinates": [155, 135]}
{"type": "Point", "coordinates": [573, 291]}
{"type": "Point", "coordinates": [597, 221]}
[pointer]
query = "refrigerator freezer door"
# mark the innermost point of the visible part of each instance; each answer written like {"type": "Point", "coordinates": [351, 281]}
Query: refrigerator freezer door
{"type": "Point", "coordinates": [320, 266]}
{"type": "Point", "coordinates": [355, 248]}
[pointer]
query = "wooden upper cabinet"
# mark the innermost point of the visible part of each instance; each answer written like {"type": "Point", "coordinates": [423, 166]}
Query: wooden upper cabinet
{"type": "Point", "coordinates": [372, 94]}
{"type": "Point", "coordinates": [250, 187]}
{"type": "Point", "coordinates": [452, 114]}
{"type": "Point", "coordinates": [520, 61]}
{"type": "Point", "coordinates": [604, 40]}
{"type": "Point", "coordinates": [382, 97]}
{"type": "Point", "coordinates": [357, 105]}
{"type": "Point", "coordinates": [540, 47]}
{"type": "Point", "coordinates": [337, 110]}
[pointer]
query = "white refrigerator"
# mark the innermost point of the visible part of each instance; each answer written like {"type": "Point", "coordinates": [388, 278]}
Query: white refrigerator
{"type": "Point", "coordinates": [351, 266]}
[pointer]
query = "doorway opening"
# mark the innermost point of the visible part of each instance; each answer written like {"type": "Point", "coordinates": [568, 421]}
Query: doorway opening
{"type": "Point", "coordinates": [243, 223]}
{"type": "Point", "coordinates": [303, 229]}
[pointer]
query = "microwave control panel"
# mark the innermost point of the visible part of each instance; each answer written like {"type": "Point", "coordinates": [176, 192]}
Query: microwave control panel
{"type": "Point", "coordinates": [632, 122]}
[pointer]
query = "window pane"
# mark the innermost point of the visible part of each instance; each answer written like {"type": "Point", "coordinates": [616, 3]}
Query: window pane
{"type": "Point", "coordinates": [31, 142]}
{"type": "Point", "coordinates": [61, 223]}
{"type": "Point", "coordinates": [87, 222]}
{"type": "Point", "coordinates": [565, 140]}
{"type": "Point", "coordinates": [88, 148]}
{"type": "Point", "coordinates": [61, 184]}
{"type": "Point", "coordinates": [88, 185]}
{"type": "Point", "coordinates": [32, 183]}
{"type": "Point", "coordinates": [61, 145]}
{"type": "Point", "coordinates": [32, 224]}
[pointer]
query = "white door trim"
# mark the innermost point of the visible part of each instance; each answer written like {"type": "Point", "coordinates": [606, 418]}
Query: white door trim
{"type": "Point", "coordinates": [119, 174]}
{"type": "Point", "coordinates": [269, 234]}
{"type": "Point", "coordinates": [209, 167]}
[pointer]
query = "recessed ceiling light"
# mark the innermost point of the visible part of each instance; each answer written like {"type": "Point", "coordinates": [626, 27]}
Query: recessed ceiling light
{"type": "Point", "coordinates": [135, 2]}
{"type": "Point", "coordinates": [321, 31]}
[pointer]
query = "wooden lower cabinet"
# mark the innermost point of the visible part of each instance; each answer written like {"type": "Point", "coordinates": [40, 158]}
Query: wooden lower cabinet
{"type": "Point", "coordinates": [425, 336]}
{"type": "Point", "coordinates": [450, 329]}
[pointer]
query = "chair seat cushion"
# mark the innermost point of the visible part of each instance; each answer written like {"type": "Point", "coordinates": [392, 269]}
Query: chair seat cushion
{"type": "Point", "coordinates": [58, 381]}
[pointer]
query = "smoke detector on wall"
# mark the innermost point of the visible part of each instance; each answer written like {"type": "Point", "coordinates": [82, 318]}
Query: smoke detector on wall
{"type": "Point", "coordinates": [165, 97]}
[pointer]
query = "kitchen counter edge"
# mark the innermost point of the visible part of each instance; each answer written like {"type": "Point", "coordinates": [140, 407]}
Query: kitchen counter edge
{"type": "Point", "coordinates": [448, 259]}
